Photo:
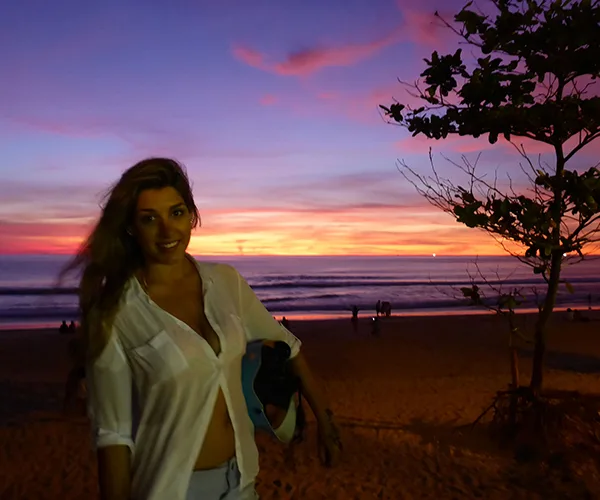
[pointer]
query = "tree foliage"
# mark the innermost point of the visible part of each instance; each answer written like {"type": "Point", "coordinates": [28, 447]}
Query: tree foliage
{"type": "Point", "coordinates": [533, 75]}
{"type": "Point", "coordinates": [538, 60]}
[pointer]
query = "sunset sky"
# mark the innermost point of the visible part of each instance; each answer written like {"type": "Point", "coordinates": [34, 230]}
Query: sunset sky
{"type": "Point", "coordinates": [272, 106]}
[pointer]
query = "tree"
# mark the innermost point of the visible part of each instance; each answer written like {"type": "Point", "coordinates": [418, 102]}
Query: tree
{"type": "Point", "coordinates": [534, 78]}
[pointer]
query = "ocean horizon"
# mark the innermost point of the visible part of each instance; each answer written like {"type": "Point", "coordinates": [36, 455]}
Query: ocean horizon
{"type": "Point", "coordinates": [310, 287]}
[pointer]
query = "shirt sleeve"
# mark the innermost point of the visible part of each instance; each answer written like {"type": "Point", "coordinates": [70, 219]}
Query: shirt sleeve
{"type": "Point", "coordinates": [258, 322]}
{"type": "Point", "coordinates": [109, 384]}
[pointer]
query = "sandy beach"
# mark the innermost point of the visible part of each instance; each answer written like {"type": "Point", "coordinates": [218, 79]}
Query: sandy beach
{"type": "Point", "coordinates": [404, 400]}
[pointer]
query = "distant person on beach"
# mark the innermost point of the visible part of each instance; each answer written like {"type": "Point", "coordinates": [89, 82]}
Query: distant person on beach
{"type": "Point", "coordinates": [63, 328]}
{"type": "Point", "coordinates": [354, 318]}
{"type": "Point", "coordinates": [169, 332]}
{"type": "Point", "coordinates": [285, 323]}
{"type": "Point", "coordinates": [576, 316]}
{"type": "Point", "coordinates": [378, 307]}
{"type": "Point", "coordinates": [72, 327]}
{"type": "Point", "coordinates": [386, 309]}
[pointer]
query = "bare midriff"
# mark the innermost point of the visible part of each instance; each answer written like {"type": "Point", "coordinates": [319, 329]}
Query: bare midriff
{"type": "Point", "coordinates": [219, 441]}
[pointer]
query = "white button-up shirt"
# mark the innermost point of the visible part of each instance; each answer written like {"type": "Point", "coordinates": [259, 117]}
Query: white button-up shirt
{"type": "Point", "coordinates": [155, 385]}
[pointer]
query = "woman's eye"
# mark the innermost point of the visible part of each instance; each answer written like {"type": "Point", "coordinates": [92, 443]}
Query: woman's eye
{"type": "Point", "coordinates": [148, 219]}
{"type": "Point", "coordinates": [178, 212]}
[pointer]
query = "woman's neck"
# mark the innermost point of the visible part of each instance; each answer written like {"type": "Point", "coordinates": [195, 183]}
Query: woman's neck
{"type": "Point", "coordinates": [164, 274]}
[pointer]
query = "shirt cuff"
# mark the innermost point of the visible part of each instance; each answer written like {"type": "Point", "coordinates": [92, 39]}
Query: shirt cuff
{"type": "Point", "coordinates": [106, 438]}
{"type": "Point", "coordinates": [295, 343]}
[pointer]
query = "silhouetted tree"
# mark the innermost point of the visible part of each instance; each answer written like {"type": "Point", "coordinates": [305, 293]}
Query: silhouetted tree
{"type": "Point", "coordinates": [533, 76]}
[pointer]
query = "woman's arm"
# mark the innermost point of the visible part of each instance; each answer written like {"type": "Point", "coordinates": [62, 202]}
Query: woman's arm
{"type": "Point", "coordinates": [110, 390]}
{"type": "Point", "coordinates": [114, 472]}
{"type": "Point", "coordinates": [260, 324]}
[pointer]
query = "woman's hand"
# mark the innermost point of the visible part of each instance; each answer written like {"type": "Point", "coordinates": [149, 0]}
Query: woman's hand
{"type": "Point", "coordinates": [329, 440]}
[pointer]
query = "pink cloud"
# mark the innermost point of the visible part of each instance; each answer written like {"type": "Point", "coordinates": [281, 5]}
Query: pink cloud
{"type": "Point", "coordinates": [419, 26]}
{"type": "Point", "coordinates": [423, 28]}
{"type": "Point", "coordinates": [421, 144]}
{"type": "Point", "coordinates": [465, 144]}
{"type": "Point", "coordinates": [269, 99]}
{"type": "Point", "coordinates": [350, 210]}
{"type": "Point", "coordinates": [530, 146]}
{"type": "Point", "coordinates": [49, 237]}
{"type": "Point", "coordinates": [391, 93]}
{"type": "Point", "coordinates": [360, 107]}
{"type": "Point", "coordinates": [308, 61]}
{"type": "Point", "coordinates": [12, 229]}
{"type": "Point", "coordinates": [422, 24]}
{"type": "Point", "coordinates": [249, 56]}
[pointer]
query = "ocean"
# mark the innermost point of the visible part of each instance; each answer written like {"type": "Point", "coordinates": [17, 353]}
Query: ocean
{"type": "Point", "coordinates": [314, 287]}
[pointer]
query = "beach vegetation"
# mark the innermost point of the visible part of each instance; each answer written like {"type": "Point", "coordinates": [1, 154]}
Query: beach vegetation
{"type": "Point", "coordinates": [525, 74]}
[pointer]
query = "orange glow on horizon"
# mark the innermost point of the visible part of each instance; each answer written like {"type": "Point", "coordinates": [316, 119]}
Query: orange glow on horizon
{"type": "Point", "coordinates": [274, 243]}
{"type": "Point", "coordinates": [413, 231]}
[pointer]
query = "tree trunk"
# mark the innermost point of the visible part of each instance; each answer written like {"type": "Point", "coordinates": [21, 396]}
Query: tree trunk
{"type": "Point", "coordinates": [514, 370]}
{"type": "Point", "coordinates": [514, 367]}
{"type": "Point", "coordinates": [539, 352]}
{"type": "Point", "coordinates": [514, 356]}
{"type": "Point", "coordinates": [537, 375]}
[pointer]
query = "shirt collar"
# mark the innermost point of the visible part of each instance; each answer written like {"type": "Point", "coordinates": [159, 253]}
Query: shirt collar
{"type": "Point", "coordinates": [203, 269]}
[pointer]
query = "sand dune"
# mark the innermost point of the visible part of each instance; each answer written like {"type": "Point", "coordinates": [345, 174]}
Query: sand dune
{"type": "Point", "coordinates": [404, 400]}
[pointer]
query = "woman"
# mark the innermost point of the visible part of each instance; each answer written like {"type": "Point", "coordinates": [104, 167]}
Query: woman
{"type": "Point", "coordinates": [165, 336]}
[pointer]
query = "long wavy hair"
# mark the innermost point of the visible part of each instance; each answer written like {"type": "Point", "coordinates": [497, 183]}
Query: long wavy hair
{"type": "Point", "coordinates": [110, 255]}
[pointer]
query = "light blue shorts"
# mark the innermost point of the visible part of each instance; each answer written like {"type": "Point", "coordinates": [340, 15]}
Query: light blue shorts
{"type": "Point", "coordinates": [220, 483]}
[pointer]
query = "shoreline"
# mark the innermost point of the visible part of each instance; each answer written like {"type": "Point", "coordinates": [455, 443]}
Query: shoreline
{"type": "Point", "coordinates": [312, 316]}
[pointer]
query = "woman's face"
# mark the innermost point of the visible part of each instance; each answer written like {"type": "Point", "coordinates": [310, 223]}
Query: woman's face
{"type": "Point", "coordinates": [162, 225]}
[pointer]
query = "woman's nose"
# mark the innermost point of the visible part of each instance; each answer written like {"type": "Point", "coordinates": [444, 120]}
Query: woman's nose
{"type": "Point", "coordinates": [164, 227]}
